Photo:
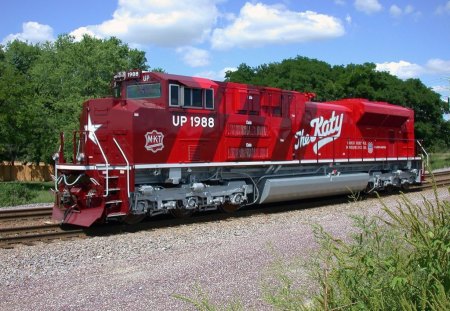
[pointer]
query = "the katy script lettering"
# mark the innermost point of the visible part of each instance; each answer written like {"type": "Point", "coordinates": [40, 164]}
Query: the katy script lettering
{"type": "Point", "coordinates": [325, 131]}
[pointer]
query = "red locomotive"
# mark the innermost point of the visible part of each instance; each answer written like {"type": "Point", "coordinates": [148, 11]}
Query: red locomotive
{"type": "Point", "coordinates": [175, 144]}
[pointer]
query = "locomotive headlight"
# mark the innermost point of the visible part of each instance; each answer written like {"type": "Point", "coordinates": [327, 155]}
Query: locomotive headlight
{"type": "Point", "coordinates": [80, 157]}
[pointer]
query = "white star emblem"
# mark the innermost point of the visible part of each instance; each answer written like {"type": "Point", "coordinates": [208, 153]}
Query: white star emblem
{"type": "Point", "coordinates": [91, 128]}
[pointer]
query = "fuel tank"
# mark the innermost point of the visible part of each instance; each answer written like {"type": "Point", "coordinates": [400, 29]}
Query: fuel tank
{"type": "Point", "coordinates": [295, 188]}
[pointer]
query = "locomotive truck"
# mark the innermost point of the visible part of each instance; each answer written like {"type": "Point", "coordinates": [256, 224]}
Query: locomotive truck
{"type": "Point", "coordinates": [175, 144]}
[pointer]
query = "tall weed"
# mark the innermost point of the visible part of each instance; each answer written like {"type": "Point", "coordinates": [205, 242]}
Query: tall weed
{"type": "Point", "coordinates": [398, 262]}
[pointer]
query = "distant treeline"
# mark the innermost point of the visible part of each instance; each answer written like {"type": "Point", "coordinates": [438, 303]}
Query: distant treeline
{"type": "Point", "coordinates": [42, 87]}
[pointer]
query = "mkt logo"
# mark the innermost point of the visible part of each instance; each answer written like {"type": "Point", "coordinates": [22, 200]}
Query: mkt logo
{"type": "Point", "coordinates": [154, 141]}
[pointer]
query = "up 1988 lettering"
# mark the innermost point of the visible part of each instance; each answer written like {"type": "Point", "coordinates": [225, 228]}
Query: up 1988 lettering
{"type": "Point", "coordinates": [193, 121]}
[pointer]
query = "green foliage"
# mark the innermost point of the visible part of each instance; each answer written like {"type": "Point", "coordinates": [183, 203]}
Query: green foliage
{"type": "Point", "coordinates": [158, 69]}
{"type": "Point", "coordinates": [16, 193]}
{"type": "Point", "coordinates": [439, 159]}
{"type": "Point", "coordinates": [353, 81]}
{"type": "Point", "coordinates": [280, 289]}
{"type": "Point", "coordinates": [42, 88]}
{"type": "Point", "coordinates": [301, 74]}
{"type": "Point", "coordinates": [400, 262]}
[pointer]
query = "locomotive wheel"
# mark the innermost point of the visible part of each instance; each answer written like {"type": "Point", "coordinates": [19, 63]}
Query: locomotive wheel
{"type": "Point", "coordinates": [181, 212]}
{"type": "Point", "coordinates": [389, 189]}
{"type": "Point", "coordinates": [229, 208]}
{"type": "Point", "coordinates": [405, 186]}
{"type": "Point", "coordinates": [133, 219]}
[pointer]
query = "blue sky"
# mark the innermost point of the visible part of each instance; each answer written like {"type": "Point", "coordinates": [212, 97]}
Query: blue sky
{"type": "Point", "coordinates": [409, 38]}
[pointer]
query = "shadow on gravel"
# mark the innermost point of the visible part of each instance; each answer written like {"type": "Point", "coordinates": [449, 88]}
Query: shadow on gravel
{"type": "Point", "coordinates": [167, 221]}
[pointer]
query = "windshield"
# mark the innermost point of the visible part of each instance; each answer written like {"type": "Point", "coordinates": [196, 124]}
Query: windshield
{"type": "Point", "coordinates": [144, 90]}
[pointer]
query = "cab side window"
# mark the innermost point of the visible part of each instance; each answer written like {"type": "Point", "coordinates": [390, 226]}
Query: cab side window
{"type": "Point", "coordinates": [209, 99]}
{"type": "Point", "coordinates": [181, 96]}
{"type": "Point", "coordinates": [174, 95]}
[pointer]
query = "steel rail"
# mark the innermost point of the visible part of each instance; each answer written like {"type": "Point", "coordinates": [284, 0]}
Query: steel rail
{"type": "Point", "coordinates": [10, 237]}
{"type": "Point", "coordinates": [25, 213]}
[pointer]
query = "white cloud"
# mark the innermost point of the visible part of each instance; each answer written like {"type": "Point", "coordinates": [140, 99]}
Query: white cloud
{"type": "Point", "coordinates": [194, 57]}
{"type": "Point", "coordinates": [441, 89]}
{"type": "Point", "coordinates": [228, 16]}
{"type": "Point", "coordinates": [339, 2]}
{"type": "Point", "coordinates": [442, 9]}
{"type": "Point", "coordinates": [438, 66]}
{"type": "Point", "coordinates": [178, 24]}
{"type": "Point", "coordinates": [260, 24]}
{"type": "Point", "coordinates": [348, 19]}
{"type": "Point", "coordinates": [409, 9]}
{"type": "Point", "coordinates": [405, 70]}
{"type": "Point", "coordinates": [215, 75]}
{"type": "Point", "coordinates": [167, 23]}
{"type": "Point", "coordinates": [368, 6]}
{"type": "Point", "coordinates": [401, 69]}
{"type": "Point", "coordinates": [395, 11]}
{"type": "Point", "coordinates": [32, 32]}
{"type": "Point", "coordinates": [80, 32]}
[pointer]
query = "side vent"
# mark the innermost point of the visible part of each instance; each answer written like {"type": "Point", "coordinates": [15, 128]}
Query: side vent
{"type": "Point", "coordinates": [247, 130]}
{"type": "Point", "coordinates": [247, 153]}
{"type": "Point", "coordinates": [194, 152]}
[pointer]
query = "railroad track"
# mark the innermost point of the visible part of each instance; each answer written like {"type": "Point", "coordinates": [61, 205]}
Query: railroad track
{"type": "Point", "coordinates": [39, 228]}
{"type": "Point", "coordinates": [46, 231]}
{"type": "Point", "coordinates": [28, 235]}
{"type": "Point", "coordinates": [440, 179]}
{"type": "Point", "coordinates": [25, 214]}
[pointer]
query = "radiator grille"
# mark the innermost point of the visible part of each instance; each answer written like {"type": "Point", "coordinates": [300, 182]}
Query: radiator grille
{"type": "Point", "coordinates": [248, 153]}
{"type": "Point", "coordinates": [247, 130]}
{"type": "Point", "coordinates": [194, 153]}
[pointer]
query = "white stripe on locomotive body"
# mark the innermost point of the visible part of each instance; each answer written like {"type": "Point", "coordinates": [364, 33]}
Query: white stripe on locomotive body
{"type": "Point", "coordinates": [102, 167]}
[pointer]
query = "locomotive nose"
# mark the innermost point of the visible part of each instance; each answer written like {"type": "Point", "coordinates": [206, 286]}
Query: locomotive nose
{"type": "Point", "coordinates": [83, 218]}
{"type": "Point", "coordinates": [77, 206]}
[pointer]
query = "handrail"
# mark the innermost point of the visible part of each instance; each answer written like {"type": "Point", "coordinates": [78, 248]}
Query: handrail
{"type": "Point", "coordinates": [106, 163]}
{"type": "Point", "coordinates": [424, 151]}
{"type": "Point", "coordinates": [128, 166]}
{"type": "Point", "coordinates": [56, 158]}
{"type": "Point", "coordinates": [77, 142]}
{"type": "Point", "coordinates": [357, 147]}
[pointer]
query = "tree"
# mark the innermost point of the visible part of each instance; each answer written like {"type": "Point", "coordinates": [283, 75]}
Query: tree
{"type": "Point", "coordinates": [300, 74]}
{"type": "Point", "coordinates": [43, 86]}
{"type": "Point", "coordinates": [158, 69]}
{"type": "Point", "coordinates": [243, 74]}
{"type": "Point", "coordinates": [16, 95]}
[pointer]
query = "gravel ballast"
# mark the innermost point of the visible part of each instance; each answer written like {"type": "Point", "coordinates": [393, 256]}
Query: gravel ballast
{"type": "Point", "coordinates": [141, 271]}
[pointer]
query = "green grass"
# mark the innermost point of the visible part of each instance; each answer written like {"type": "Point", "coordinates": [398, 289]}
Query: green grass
{"type": "Point", "coordinates": [439, 160]}
{"type": "Point", "coordinates": [17, 193]}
